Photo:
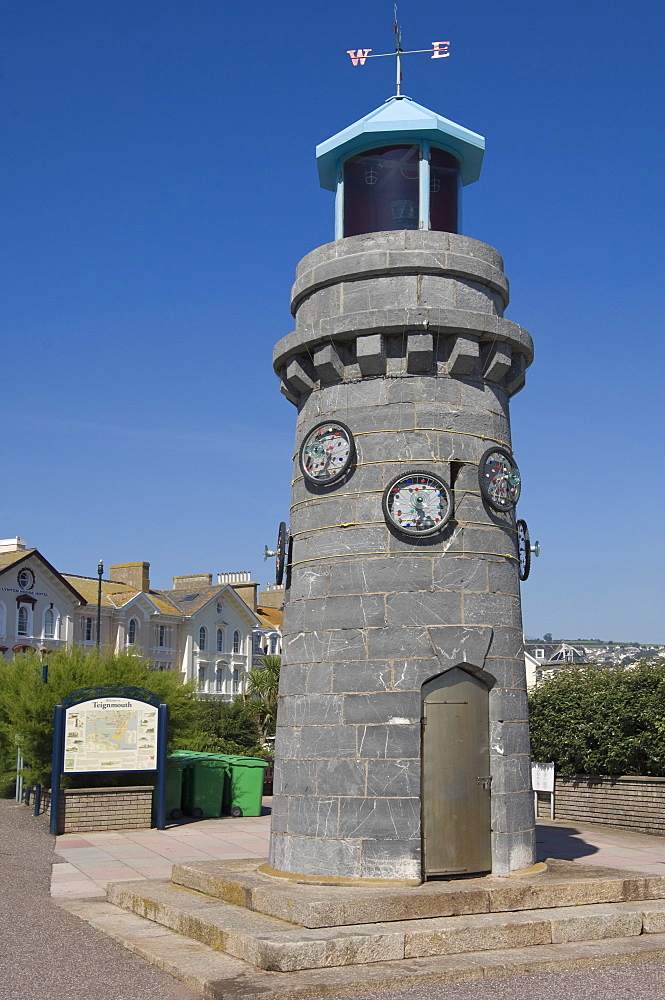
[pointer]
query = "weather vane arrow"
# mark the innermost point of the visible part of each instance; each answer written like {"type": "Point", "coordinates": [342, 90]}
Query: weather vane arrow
{"type": "Point", "coordinates": [439, 50]}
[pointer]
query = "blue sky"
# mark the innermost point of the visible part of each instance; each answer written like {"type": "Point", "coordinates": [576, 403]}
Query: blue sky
{"type": "Point", "coordinates": [158, 186]}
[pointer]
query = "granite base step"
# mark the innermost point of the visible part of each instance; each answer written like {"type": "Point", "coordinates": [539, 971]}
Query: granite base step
{"type": "Point", "coordinates": [563, 883]}
{"type": "Point", "coordinates": [275, 945]}
{"type": "Point", "coordinates": [222, 977]}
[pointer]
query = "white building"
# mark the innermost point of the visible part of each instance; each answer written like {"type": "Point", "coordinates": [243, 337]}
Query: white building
{"type": "Point", "coordinates": [203, 630]}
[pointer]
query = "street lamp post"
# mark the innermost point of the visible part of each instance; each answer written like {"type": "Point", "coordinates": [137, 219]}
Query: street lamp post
{"type": "Point", "coordinates": [100, 571]}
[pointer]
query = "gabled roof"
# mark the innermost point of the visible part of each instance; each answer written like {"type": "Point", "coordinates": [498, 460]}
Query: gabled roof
{"type": "Point", "coordinates": [191, 600]}
{"type": "Point", "coordinates": [117, 595]}
{"type": "Point", "coordinates": [13, 559]}
{"type": "Point", "coordinates": [399, 120]}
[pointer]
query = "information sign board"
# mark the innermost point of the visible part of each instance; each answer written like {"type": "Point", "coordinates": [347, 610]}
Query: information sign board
{"type": "Point", "coordinates": [542, 777]}
{"type": "Point", "coordinates": [110, 734]}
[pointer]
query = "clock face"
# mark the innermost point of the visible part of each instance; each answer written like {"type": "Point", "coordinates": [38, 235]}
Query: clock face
{"type": "Point", "coordinates": [327, 452]}
{"type": "Point", "coordinates": [417, 503]}
{"type": "Point", "coordinates": [280, 553]}
{"type": "Point", "coordinates": [26, 579]}
{"type": "Point", "coordinates": [499, 477]}
{"type": "Point", "coordinates": [523, 549]}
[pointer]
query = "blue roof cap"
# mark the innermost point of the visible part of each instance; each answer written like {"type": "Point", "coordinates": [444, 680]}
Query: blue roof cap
{"type": "Point", "coordinates": [399, 120]}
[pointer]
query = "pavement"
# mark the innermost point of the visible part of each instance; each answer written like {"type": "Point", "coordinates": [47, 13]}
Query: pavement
{"type": "Point", "coordinates": [89, 861]}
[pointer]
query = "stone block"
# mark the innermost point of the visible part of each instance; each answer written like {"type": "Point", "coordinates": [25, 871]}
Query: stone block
{"type": "Point", "coordinates": [310, 709]}
{"type": "Point", "coordinates": [516, 375]}
{"type": "Point", "coordinates": [386, 707]}
{"type": "Point", "coordinates": [399, 642]}
{"type": "Point", "coordinates": [319, 678]}
{"type": "Point", "coordinates": [380, 819]}
{"type": "Point", "coordinates": [437, 290]}
{"type": "Point", "coordinates": [346, 612]}
{"type": "Point", "coordinates": [382, 574]}
{"type": "Point", "coordinates": [328, 363]}
{"type": "Point", "coordinates": [439, 608]}
{"type": "Point", "coordinates": [503, 576]}
{"type": "Point", "coordinates": [590, 923]}
{"type": "Point", "coordinates": [473, 296]}
{"type": "Point", "coordinates": [464, 355]}
{"type": "Point", "coordinates": [512, 852]}
{"type": "Point", "coordinates": [292, 678]}
{"type": "Point", "coordinates": [454, 935]}
{"type": "Point", "coordinates": [399, 778]}
{"type": "Point", "coordinates": [455, 644]}
{"type": "Point", "coordinates": [287, 740]}
{"type": "Point", "coordinates": [280, 813]}
{"type": "Point", "coordinates": [293, 777]}
{"type": "Point", "coordinates": [508, 738]}
{"type": "Point", "coordinates": [511, 811]}
{"type": "Point", "coordinates": [507, 641]}
{"type": "Point", "coordinates": [508, 705]}
{"type": "Point", "coordinates": [389, 741]}
{"type": "Point", "coordinates": [419, 352]}
{"type": "Point", "coordinates": [511, 774]}
{"type": "Point", "coordinates": [397, 859]}
{"type": "Point", "coordinates": [491, 609]}
{"type": "Point", "coordinates": [460, 573]}
{"type": "Point", "coordinates": [319, 742]}
{"type": "Point", "coordinates": [299, 377]}
{"type": "Point", "coordinates": [423, 389]}
{"type": "Point", "coordinates": [344, 644]}
{"type": "Point", "coordinates": [313, 816]}
{"type": "Point", "coordinates": [341, 777]}
{"type": "Point", "coordinates": [496, 362]}
{"type": "Point", "coordinates": [362, 675]}
{"type": "Point", "coordinates": [371, 355]}
{"type": "Point", "coordinates": [653, 917]}
{"type": "Point", "coordinates": [315, 856]}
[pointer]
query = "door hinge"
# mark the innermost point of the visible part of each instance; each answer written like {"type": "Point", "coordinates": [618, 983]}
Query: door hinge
{"type": "Point", "coordinates": [486, 782]}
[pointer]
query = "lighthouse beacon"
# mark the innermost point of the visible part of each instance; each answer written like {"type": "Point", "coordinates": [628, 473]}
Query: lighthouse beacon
{"type": "Point", "coordinates": [402, 747]}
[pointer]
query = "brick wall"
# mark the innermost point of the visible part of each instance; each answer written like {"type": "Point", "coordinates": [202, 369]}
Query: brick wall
{"type": "Point", "coordinates": [96, 809]}
{"type": "Point", "coordinates": [629, 803]}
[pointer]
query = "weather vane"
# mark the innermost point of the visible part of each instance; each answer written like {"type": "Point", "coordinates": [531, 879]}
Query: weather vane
{"type": "Point", "coordinates": [439, 50]}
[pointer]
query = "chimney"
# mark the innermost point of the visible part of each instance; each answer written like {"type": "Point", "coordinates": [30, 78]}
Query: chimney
{"type": "Point", "coordinates": [192, 581]}
{"type": "Point", "coordinates": [135, 575]}
{"type": "Point", "coordinates": [12, 544]}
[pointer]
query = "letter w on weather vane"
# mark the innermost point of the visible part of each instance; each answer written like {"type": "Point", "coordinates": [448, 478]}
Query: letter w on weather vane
{"type": "Point", "coordinates": [439, 50]}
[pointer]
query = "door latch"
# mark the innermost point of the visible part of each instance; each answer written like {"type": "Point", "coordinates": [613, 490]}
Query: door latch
{"type": "Point", "coordinates": [485, 782]}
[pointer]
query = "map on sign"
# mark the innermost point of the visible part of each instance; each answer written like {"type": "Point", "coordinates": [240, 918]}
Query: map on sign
{"type": "Point", "coordinates": [110, 734]}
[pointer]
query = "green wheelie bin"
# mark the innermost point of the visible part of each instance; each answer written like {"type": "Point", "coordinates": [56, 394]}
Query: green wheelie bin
{"type": "Point", "coordinates": [245, 786]}
{"type": "Point", "coordinates": [204, 787]}
{"type": "Point", "coordinates": [174, 781]}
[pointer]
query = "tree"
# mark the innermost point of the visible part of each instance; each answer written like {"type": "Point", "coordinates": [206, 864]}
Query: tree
{"type": "Point", "coordinates": [547, 637]}
{"type": "Point", "coordinates": [604, 722]}
{"type": "Point", "coordinates": [26, 703]}
{"type": "Point", "coordinates": [263, 687]}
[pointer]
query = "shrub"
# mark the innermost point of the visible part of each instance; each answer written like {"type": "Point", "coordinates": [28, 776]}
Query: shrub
{"type": "Point", "coordinates": [603, 722]}
{"type": "Point", "coordinates": [26, 704]}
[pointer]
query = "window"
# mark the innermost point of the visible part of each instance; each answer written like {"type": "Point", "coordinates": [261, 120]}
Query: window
{"type": "Point", "coordinates": [131, 632]}
{"type": "Point", "coordinates": [540, 654]}
{"type": "Point", "coordinates": [23, 620]}
{"type": "Point", "coordinates": [88, 630]}
{"type": "Point", "coordinates": [202, 638]}
{"type": "Point", "coordinates": [219, 680]}
{"type": "Point", "coordinates": [49, 624]}
{"type": "Point", "coordinates": [202, 678]}
{"type": "Point", "coordinates": [161, 635]}
{"type": "Point", "coordinates": [273, 644]}
{"type": "Point", "coordinates": [220, 607]}
{"type": "Point", "coordinates": [3, 619]}
{"type": "Point", "coordinates": [236, 642]}
{"type": "Point", "coordinates": [236, 681]}
{"type": "Point", "coordinates": [258, 647]}
{"type": "Point", "coordinates": [220, 641]}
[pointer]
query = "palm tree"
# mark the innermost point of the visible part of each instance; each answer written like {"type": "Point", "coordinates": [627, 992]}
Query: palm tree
{"type": "Point", "coordinates": [263, 686]}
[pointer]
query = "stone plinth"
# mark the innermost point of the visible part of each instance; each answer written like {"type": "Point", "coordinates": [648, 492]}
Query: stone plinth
{"type": "Point", "coordinates": [400, 336]}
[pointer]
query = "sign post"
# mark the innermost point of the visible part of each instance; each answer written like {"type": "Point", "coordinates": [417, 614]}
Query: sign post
{"type": "Point", "coordinates": [111, 727]}
{"type": "Point", "coordinates": [542, 780]}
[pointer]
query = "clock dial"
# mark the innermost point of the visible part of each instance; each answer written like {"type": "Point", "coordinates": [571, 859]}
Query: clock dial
{"type": "Point", "coordinates": [523, 549]}
{"type": "Point", "coordinates": [500, 481]}
{"type": "Point", "coordinates": [417, 503]}
{"type": "Point", "coordinates": [280, 561]}
{"type": "Point", "coordinates": [327, 452]}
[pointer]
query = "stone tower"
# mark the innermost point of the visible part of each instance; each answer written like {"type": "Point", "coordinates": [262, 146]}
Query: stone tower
{"type": "Point", "coordinates": [402, 651]}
